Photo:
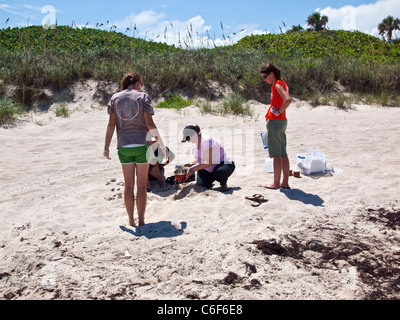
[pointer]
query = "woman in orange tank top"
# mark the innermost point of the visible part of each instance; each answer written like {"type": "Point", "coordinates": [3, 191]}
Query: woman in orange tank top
{"type": "Point", "coordinates": [277, 124]}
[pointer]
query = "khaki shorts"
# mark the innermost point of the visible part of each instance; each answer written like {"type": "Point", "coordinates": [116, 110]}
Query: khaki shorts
{"type": "Point", "coordinates": [277, 138]}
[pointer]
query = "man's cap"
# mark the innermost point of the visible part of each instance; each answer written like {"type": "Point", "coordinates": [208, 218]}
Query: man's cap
{"type": "Point", "coordinates": [188, 132]}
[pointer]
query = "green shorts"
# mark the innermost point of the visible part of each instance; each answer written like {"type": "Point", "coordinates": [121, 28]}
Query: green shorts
{"type": "Point", "coordinates": [133, 155]}
{"type": "Point", "coordinates": [277, 138]}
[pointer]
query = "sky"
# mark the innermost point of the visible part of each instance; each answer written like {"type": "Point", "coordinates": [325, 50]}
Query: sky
{"type": "Point", "coordinates": [197, 23]}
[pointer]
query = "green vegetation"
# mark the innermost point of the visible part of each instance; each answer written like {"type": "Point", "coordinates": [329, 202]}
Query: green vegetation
{"type": "Point", "coordinates": [174, 102]}
{"type": "Point", "coordinates": [67, 55]}
{"type": "Point", "coordinates": [66, 39]}
{"type": "Point", "coordinates": [205, 106]}
{"type": "Point", "coordinates": [316, 21]}
{"type": "Point", "coordinates": [387, 26]}
{"type": "Point", "coordinates": [314, 64]}
{"type": "Point", "coordinates": [325, 43]}
{"type": "Point", "coordinates": [318, 62]}
{"type": "Point", "coordinates": [62, 110]}
{"type": "Point", "coordinates": [234, 104]}
{"type": "Point", "coordinates": [341, 101]}
{"type": "Point", "coordinates": [9, 111]}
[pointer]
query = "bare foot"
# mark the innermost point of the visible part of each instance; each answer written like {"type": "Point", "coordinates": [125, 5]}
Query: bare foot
{"type": "Point", "coordinates": [272, 186]}
{"type": "Point", "coordinates": [224, 188]}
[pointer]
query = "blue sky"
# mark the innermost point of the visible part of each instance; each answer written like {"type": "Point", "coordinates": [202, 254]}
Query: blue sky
{"type": "Point", "coordinates": [171, 20]}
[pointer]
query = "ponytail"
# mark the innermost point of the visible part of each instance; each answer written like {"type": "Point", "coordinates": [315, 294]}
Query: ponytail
{"type": "Point", "coordinates": [129, 79]}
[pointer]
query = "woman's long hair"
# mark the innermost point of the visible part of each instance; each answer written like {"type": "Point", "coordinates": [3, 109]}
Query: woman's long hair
{"type": "Point", "coordinates": [268, 68]}
{"type": "Point", "coordinates": [129, 79]}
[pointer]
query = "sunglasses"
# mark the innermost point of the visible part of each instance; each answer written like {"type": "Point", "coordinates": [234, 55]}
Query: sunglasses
{"type": "Point", "coordinates": [265, 77]}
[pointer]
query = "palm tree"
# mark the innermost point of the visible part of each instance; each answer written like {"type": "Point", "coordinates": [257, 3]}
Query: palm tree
{"type": "Point", "coordinates": [387, 26]}
{"type": "Point", "coordinates": [297, 28]}
{"type": "Point", "coordinates": [316, 21]}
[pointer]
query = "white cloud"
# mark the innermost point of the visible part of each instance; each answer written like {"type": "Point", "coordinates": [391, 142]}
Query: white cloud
{"type": "Point", "coordinates": [32, 8]}
{"type": "Point", "coordinates": [151, 25]}
{"type": "Point", "coordinates": [364, 18]}
{"type": "Point", "coordinates": [8, 8]}
{"type": "Point", "coordinates": [25, 14]}
{"type": "Point", "coordinates": [192, 33]}
{"type": "Point", "coordinates": [147, 19]}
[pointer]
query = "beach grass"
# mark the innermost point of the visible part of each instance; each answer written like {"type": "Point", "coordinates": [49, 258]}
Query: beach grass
{"type": "Point", "coordinates": [62, 110]}
{"type": "Point", "coordinates": [237, 105]}
{"type": "Point", "coordinates": [234, 104]}
{"type": "Point", "coordinates": [9, 111]}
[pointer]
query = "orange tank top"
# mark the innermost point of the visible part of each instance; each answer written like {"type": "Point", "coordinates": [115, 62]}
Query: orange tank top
{"type": "Point", "coordinates": [277, 101]}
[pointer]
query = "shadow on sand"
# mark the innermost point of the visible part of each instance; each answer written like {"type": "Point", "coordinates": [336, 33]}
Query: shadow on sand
{"type": "Point", "coordinates": [162, 229]}
{"type": "Point", "coordinates": [193, 188]}
{"type": "Point", "coordinates": [306, 198]}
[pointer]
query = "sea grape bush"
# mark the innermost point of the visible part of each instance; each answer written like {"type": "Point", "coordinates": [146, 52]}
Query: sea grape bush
{"type": "Point", "coordinates": [69, 40]}
{"type": "Point", "coordinates": [324, 43]}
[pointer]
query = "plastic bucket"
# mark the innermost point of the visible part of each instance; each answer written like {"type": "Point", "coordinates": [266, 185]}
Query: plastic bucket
{"type": "Point", "coordinates": [269, 165]}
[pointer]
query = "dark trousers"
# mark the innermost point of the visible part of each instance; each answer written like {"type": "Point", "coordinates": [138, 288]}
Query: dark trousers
{"type": "Point", "coordinates": [221, 173]}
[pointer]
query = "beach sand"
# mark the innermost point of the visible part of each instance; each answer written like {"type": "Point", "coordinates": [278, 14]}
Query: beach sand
{"type": "Point", "coordinates": [64, 230]}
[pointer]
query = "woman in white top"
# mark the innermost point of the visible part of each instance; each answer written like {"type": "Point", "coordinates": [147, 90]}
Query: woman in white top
{"type": "Point", "coordinates": [211, 162]}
